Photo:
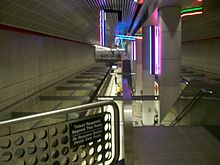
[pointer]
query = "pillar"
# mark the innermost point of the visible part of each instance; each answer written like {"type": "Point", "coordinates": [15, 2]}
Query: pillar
{"type": "Point", "coordinates": [147, 80]}
{"type": "Point", "coordinates": [170, 45]}
{"type": "Point", "coordinates": [138, 67]}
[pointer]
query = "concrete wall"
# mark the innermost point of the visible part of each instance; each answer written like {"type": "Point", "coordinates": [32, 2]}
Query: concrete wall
{"type": "Point", "coordinates": [29, 63]}
{"type": "Point", "coordinates": [203, 55]}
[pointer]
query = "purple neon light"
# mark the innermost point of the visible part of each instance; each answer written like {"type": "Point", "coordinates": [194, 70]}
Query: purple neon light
{"type": "Point", "coordinates": [134, 58]}
{"type": "Point", "coordinates": [103, 28]}
{"type": "Point", "coordinates": [156, 50]}
{"type": "Point", "coordinates": [132, 50]}
{"type": "Point", "coordinates": [100, 28]}
{"type": "Point", "coordinates": [150, 41]}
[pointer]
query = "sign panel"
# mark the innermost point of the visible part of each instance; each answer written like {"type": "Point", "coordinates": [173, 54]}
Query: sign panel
{"type": "Point", "coordinates": [86, 130]}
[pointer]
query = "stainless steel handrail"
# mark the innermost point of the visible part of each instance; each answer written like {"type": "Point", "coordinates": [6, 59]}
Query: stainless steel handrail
{"type": "Point", "coordinates": [185, 110]}
{"type": "Point", "coordinates": [73, 110]}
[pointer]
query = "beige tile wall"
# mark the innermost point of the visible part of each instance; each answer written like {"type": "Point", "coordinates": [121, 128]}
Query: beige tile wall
{"type": "Point", "coordinates": [29, 63]}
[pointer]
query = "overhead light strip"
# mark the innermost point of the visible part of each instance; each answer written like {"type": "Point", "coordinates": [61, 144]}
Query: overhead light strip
{"type": "Point", "coordinates": [191, 10]}
{"type": "Point", "coordinates": [191, 14]}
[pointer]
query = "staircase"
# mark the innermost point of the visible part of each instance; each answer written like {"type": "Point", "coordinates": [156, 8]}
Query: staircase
{"type": "Point", "coordinates": [185, 145]}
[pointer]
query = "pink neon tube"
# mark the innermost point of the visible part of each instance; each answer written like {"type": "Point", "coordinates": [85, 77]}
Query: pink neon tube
{"type": "Point", "coordinates": [156, 50]}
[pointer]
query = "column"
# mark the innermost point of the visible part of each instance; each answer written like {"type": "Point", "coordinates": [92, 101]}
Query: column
{"type": "Point", "coordinates": [170, 49]}
{"type": "Point", "coordinates": [147, 80]}
{"type": "Point", "coordinates": [138, 67]}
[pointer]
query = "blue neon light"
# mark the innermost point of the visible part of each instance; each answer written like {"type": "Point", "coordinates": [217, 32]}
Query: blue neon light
{"type": "Point", "coordinates": [124, 38]}
{"type": "Point", "coordinates": [103, 26]}
{"type": "Point", "coordinates": [122, 43]}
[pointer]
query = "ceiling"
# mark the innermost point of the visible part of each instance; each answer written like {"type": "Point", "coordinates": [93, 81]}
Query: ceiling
{"type": "Point", "coordinates": [72, 19]}
{"type": "Point", "coordinates": [79, 19]}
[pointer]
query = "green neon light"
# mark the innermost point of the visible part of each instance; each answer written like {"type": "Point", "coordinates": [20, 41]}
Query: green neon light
{"type": "Point", "coordinates": [137, 34]}
{"type": "Point", "coordinates": [191, 9]}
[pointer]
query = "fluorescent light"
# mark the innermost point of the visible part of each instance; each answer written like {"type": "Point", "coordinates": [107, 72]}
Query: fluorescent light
{"type": "Point", "coordinates": [191, 14]}
{"type": "Point", "coordinates": [191, 9]}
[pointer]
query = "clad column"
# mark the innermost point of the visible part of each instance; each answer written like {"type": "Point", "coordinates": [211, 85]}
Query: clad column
{"type": "Point", "coordinates": [170, 49]}
{"type": "Point", "coordinates": [139, 67]}
{"type": "Point", "coordinates": [147, 79]}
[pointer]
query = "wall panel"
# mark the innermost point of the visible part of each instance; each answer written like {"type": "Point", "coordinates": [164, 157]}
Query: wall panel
{"type": "Point", "coordinates": [29, 63]}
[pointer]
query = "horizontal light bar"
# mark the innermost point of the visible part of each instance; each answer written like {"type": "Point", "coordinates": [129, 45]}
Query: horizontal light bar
{"type": "Point", "coordinates": [102, 47]}
{"type": "Point", "coordinates": [191, 9]}
{"type": "Point", "coordinates": [191, 14]}
{"type": "Point", "coordinates": [138, 37]}
{"type": "Point", "coordinates": [127, 38]}
{"type": "Point", "coordinates": [138, 34]}
{"type": "Point", "coordinates": [124, 36]}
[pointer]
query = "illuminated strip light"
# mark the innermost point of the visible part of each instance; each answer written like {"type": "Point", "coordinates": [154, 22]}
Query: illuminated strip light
{"type": "Point", "coordinates": [138, 34]}
{"type": "Point", "coordinates": [132, 50]}
{"type": "Point", "coordinates": [156, 32]}
{"type": "Point", "coordinates": [138, 38]}
{"type": "Point", "coordinates": [127, 38]}
{"type": "Point", "coordinates": [122, 43]}
{"type": "Point", "coordinates": [134, 58]}
{"type": "Point", "coordinates": [191, 10]}
{"type": "Point", "coordinates": [150, 41]}
{"type": "Point", "coordinates": [191, 14]}
{"type": "Point", "coordinates": [100, 28]}
{"type": "Point", "coordinates": [154, 49]}
{"type": "Point", "coordinates": [103, 27]}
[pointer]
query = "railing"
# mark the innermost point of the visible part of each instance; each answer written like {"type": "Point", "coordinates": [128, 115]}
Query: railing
{"type": "Point", "coordinates": [53, 144]}
{"type": "Point", "coordinates": [189, 106]}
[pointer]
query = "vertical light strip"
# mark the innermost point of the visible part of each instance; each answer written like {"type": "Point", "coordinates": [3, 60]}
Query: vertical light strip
{"type": "Point", "coordinates": [103, 28]}
{"type": "Point", "coordinates": [159, 51]}
{"type": "Point", "coordinates": [100, 27]}
{"type": "Point", "coordinates": [150, 41]}
{"type": "Point", "coordinates": [134, 50]}
{"type": "Point", "coordinates": [122, 43]}
{"type": "Point", "coordinates": [156, 50]}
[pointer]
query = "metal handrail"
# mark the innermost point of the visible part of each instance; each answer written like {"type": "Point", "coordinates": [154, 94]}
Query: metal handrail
{"type": "Point", "coordinates": [190, 104]}
{"type": "Point", "coordinates": [73, 110]}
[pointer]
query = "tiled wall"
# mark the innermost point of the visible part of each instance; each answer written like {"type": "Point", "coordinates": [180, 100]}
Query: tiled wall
{"type": "Point", "coordinates": [29, 63]}
{"type": "Point", "coordinates": [203, 55]}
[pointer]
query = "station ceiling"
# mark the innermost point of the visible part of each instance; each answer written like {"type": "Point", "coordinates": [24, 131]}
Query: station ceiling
{"type": "Point", "coordinates": [79, 19]}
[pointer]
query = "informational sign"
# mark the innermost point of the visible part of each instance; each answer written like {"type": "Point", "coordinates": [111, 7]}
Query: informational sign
{"type": "Point", "coordinates": [86, 130]}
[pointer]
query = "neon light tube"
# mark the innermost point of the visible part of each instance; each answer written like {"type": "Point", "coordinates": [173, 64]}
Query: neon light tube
{"type": "Point", "coordinates": [122, 43]}
{"type": "Point", "coordinates": [100, 28]}
{"type": "Point", "coordinates": [103, 28]}
{"type": "Point", "coordinates": [134, 58]}
{"type": "Point", "coordinates": [119, 35]}
{"type": "Point", "coordinates": [137, 34]}
{"type": "Point", "coordinates": [191, 9]}
{"type": "Point", "coordinates": [132, 51]}
{"type": "Point", "coordinates": [156, 50]}
{"type": "Point", "coordinates": [138, 38]}
{"type": "Point", "coordinates": [124, 38]}
{"type": "Point", "coordinates": [150, 40]}
{"type": "Point", "coordinates": [191, 14]}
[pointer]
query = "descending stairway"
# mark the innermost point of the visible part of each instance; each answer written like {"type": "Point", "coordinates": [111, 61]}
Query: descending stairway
{"type": "Point", "coordinates": [186, 145]}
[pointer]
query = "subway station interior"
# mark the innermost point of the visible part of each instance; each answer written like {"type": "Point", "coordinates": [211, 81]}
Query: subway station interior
{"type": "Point", "coordinates": [109, 82]}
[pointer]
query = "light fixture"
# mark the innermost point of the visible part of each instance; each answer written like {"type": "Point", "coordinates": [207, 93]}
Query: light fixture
{"type": "Point", "coordinates": [154, 49]}
{"type": "Point", "coordinates": [191, 11]}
